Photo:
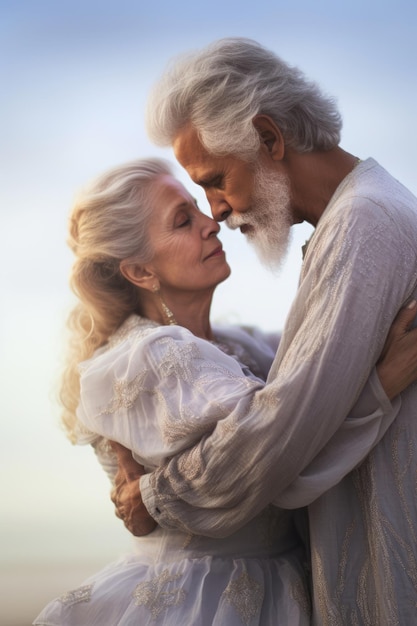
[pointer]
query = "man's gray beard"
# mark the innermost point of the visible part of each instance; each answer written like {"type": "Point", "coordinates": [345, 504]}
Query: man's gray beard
{"type": "Point", "coordinates": [269, 216]}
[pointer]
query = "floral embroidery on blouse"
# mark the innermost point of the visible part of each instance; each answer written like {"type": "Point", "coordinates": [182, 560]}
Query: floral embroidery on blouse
{"type": "Point", "coordinates": [177, 359]}
{"type": "Point", "coordinates": [82, 594]}
{"type": "Point", "coordinates": [125, 393]}
{"type": "Point", "coordinates": [157, 594]}
{"type": "Point", "coordinates": [176, 428]}
{"type": "Point", "coordinates": [245, 594]}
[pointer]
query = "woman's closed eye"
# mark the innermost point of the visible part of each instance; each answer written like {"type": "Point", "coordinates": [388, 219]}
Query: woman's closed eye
{"type": "Point", "coordinates": [184, 223]}
{"type": "Point", "coordinates": [182, 219]}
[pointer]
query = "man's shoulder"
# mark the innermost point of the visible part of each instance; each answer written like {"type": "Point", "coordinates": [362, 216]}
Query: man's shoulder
{"type": "Point", "coordinates": [370, 196]}
{"type": "Point", "coordinates": [374, 181]}
{"type": "Point", "coordinates": [371, 214]}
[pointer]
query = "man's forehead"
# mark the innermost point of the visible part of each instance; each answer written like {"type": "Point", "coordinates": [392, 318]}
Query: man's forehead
{"type": "Point", "coordinates": [188, 149]}
{"type": "Point", "coordinates": [187, 146]}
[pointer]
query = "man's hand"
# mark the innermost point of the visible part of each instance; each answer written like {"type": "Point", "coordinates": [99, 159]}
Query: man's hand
{"type": "Point", "coordinates": [126, 494]}
{"type": "Point", "coordinates": [397, 366]}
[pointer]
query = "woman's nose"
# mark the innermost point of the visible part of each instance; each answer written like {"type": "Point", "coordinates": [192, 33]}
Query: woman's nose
{"type": "Point", "coordinates": [210, 227]}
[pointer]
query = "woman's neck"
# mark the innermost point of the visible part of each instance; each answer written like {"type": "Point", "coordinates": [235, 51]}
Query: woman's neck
{"type": "Point", "coordinates": [192, 311]}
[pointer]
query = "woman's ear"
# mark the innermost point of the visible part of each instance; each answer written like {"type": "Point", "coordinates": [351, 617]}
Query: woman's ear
{"type": "Point", "coordinates": [139, 275]}
{"type": "Point", "coordinates": [272, 140]}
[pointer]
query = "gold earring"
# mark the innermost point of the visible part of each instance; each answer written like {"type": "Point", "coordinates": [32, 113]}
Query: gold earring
{"type": "Point", "coordinates": [168, 314]}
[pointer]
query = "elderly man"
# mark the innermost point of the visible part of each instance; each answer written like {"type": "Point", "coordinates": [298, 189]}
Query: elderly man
{"type": "Point", "coordinates": [264, 144]}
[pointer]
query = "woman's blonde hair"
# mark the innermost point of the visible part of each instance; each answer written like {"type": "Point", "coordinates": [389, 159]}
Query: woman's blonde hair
{"type": "Point", "coordinates": [108, 223]}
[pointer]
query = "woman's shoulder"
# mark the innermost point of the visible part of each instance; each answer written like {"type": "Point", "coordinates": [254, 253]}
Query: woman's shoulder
{"type": "Point", "coordinates": [134, 327]}
{"type": "Point", "coordinates": [137, 330]}
{"type": "Point", "coordinates": [139, 341]}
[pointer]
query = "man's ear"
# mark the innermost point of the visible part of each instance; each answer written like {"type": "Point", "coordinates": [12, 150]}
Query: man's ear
{"type": "Point", "coordinates": [140, 275]}
{"type": "Point", "coordinates": [272, 141]}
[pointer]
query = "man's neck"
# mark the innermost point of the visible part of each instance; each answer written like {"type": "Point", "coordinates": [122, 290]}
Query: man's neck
{"type": "Point", "coordinates": [315, 177]}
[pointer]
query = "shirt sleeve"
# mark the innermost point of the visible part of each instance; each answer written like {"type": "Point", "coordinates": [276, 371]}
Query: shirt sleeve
{"type": "Point", "coordinates": [159, 395]}
{"type": "Point", "coordinates": [351, 443]}
{"type": "Point", "coordinates": [358, 271]}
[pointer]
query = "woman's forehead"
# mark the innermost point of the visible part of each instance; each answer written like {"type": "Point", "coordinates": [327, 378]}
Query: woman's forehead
{"type": "Point", "coordinates": [169, 194]}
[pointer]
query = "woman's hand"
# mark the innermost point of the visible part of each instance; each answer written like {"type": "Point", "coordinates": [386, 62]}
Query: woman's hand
{"type": "Point", "coordinates": [397, 365]}
{"type": "Point", "coordinates": [126, 494]}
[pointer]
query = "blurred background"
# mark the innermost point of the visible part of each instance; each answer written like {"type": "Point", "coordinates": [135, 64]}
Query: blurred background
{"type": "Point", "coordinates": [74, 81]}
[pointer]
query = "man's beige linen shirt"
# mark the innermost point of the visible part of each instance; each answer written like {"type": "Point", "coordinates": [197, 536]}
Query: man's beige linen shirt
{"type": "Point", "coordinates": [285, 445]}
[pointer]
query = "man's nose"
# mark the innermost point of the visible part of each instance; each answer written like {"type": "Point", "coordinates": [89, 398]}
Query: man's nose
{"type": "Point", "coordinates": [219, 209]}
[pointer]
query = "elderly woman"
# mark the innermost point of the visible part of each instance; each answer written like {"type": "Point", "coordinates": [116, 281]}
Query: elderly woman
{"type": "Point", "coordinates": [148, 370]}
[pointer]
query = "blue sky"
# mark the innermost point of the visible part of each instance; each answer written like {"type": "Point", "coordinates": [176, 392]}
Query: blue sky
{"type": "Point", "coordinates": [74, 79]}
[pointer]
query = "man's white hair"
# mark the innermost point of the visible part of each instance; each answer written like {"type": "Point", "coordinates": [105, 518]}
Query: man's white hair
{"type": "Point", "coordinates": [220, 89]}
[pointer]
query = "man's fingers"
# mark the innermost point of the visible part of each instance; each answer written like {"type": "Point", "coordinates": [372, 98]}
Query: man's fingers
{"type": "Point", "coordinates": [122, 452]}
{"type": "Point", "coordinates": [119, 479]}
{"type": "Point", "coordinates": [129, 469]}
{"type": "Point", "coordinates": [400, 328]}
{"type": "Point", "coordinates": [135, 473]}
{"type": "Point", "coordinates": [125, 494]}
{"type": "Point", "coordinates": [405, 317]}
{"type": "Point", "coordinates": [125, 460]}
{"type": "Point", "coordinates": [115, 497]}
